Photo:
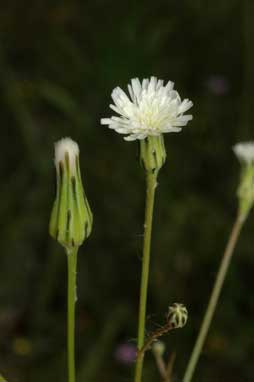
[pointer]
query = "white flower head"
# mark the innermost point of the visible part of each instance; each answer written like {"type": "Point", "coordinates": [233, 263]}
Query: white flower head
{"type": "Point", "coordinates": [69, 147]}
{"type": "Point", "coordinates": [150, 109]}
{"type": "Point", "coordinates": [245, 152]}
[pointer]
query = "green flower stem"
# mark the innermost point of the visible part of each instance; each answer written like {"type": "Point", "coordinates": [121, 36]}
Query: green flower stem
{"type": "Point", "coordinates": [226, 258]}
{"type": "Point", "coordinates": [2, 379]}
{"type": "Point", "coordinates": [72, 268]}
{"type": "Point", "coordinates": [151, 183]}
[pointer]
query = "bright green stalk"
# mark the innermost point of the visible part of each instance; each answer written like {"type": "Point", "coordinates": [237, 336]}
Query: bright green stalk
{"type": "Point", "coordinates": [72, 271]}
{"type": "Point", "coordinates": [152, 158]}
{"type": "Point", "coordinates": [214, 298]}
{"type": "Point", "coordinates": [151, 181]}
{"type": "Point", "coordinates": [2, 379]}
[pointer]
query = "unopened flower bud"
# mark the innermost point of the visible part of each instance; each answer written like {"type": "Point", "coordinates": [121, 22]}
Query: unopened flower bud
{"type": "Point", "coordinates": [245, 192]}
{"type": "Point", "coordinates": [152, 153]}
{"type": "Point", "coordinates": [158, 348]}
{"type": "Point", "coordinates": [177, 315]}
{"type": "Point", "coordinates": [71, 217]}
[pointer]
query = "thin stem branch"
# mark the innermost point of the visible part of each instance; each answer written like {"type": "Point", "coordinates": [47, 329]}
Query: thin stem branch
{"type": "Point", "coordinates": [72, 268]}
{"type": "Point", "coordinates": [154, 336]}
{"type": "Point", "coordinates": [169, 369]}
{"type": "Point", "coordinates": [213, 299]}
{"type": "Point", "coordinates": [151, 182]}
{"type": "Point", "coordinates": [161, 366]}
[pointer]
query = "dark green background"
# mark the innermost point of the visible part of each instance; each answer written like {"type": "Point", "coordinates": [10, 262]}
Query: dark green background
{"type": "Point", "coordinates": [59, 61]}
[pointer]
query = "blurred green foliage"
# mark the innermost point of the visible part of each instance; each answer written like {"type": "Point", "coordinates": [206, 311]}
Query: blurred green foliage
{"type": "Point", "coordinates": [58, 64]}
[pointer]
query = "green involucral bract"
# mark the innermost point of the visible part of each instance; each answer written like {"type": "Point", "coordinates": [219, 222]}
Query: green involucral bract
{"type": "Point", "coordinates": [245, 191]}
{"type": "Point", "coordinates": [152, 153]}
{"type": "Point", "coordinates": [71, 218]}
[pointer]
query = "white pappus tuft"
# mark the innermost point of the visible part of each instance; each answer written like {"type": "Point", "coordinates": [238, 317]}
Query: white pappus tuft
{"type": "Point", "coordinates": [66, 146]}
{"type": "Point", "coordinates": [244, 151]}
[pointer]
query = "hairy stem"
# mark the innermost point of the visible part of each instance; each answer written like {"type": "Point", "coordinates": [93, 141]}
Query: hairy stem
{"type": "Point", "coordinates": [154, 336]}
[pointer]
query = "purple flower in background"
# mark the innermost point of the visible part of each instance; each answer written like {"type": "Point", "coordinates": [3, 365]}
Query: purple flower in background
{"type": "Point", "coordinates": [126, 353]}
{"type": "Point", "coordinates": [218, 84]}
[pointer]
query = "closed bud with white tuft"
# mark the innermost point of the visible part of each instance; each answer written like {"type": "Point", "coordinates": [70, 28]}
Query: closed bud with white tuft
{"type": "Point", "coordinates": [245, 192]}
{"type": "Point", "coordinates": [71, 217]}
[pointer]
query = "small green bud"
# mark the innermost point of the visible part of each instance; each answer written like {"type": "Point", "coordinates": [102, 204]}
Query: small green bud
{"type": "Point", "coordinates": [177, 315]}
{"type": "Point", "coordinates": [71, 218]}
{"type": "Point", "coordinates": [159, 348]}
{"type": "Point", "coordinates": [152, 153]}
{"type": "Point", "coordinates": [245, 153]}
{"type": "Point", "coordinates": [245, 190]}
